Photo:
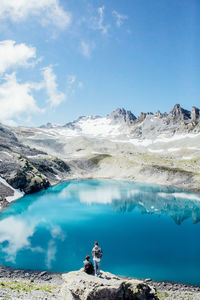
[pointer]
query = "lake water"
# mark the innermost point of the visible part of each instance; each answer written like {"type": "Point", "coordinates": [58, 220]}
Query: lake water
{"type": "Point", "coordinates": [144, 230]}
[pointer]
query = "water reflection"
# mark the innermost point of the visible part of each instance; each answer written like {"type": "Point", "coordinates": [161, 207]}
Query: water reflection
{"type": "Point", "coordinates": [16, 234]}
{"type": "Point", "coordinates": [149, 199]}
{"type": "Point", "coordinates": [177, 208]}
{"type": "Point", "coordinates": [37, 226]}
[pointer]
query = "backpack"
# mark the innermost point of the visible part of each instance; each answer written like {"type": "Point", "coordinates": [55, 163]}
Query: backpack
{"type": "Point", "coordinates": [97, 252]}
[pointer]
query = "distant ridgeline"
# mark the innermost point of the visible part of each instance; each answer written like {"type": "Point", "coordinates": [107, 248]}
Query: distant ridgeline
{"type": "Point", "coordinates": [180, 120]}
{"type": "Point", "coordinates": [158, 148]}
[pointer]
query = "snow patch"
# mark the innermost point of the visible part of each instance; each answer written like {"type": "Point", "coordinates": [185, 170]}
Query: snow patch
{"type": "Point", "coordinates": [193, 148]}
{"type": "Point", "coordinates": [145, 142]}
{"type": "Point", "coordinates": [173, 149]}
{"type": "Point", "coordinates": [17, 193]}
{"type": "Point", "coordinates": [181, 196]}
{"type": "Point", "coordinates": [156, 150]}
{"type": "Point", "coordinates": [176, 137]}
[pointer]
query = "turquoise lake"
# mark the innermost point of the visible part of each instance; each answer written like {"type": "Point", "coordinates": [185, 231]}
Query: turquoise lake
{"type": "Point", "coordinates": [145, 231]}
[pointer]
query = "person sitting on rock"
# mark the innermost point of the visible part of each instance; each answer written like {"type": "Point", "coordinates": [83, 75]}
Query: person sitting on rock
{"type": "Point", "coordinates": [88, 266]}
{"type": "Point", "coordinates": [97, 254]}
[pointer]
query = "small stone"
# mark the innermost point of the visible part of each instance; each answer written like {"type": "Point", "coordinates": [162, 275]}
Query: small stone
{"type": "Point", "coordinates": [43, 273]}
{"type": "Point", "coordinates": [48, 278]}
{"type": "Point", "coordinates": [147, 280]}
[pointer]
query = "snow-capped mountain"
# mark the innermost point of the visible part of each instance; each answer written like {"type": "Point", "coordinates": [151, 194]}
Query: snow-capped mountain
{"type": "Point", "coordinates": [156, 148]}
{"type": "Point", "coordinates": [125, 122]}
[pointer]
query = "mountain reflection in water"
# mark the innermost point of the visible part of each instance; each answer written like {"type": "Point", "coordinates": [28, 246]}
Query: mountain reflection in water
{"type": "Point", "coordinates": [42, 231]}
{"type": "Point", "coordinates": [176, 205]}
{"type": "Point", "coordinates": [149, 199]}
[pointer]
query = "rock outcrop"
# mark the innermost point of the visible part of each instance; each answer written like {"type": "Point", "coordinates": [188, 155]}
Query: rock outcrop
{"type": "Point", "coordinates": [80, 286]}
{"type": "Point", "coordinates": [123, 116]}
{"type": "Point", "coordinates": [179, 114]}
{"type": "Point", "coordinates": [195, 114]}
{"type": "Point", "coordinates": [26, 168]}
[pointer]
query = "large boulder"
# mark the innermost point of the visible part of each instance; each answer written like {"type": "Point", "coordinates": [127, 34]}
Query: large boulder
{"type": "Point", "coordinates": [80, 286]}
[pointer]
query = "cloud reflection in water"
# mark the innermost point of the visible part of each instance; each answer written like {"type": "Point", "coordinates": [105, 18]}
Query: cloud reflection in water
{"type": "Point", "coordinates": [39, 224]}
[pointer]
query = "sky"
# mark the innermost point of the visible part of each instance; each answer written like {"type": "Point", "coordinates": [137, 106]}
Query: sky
{"type": "Point", "coordinates": [61, 59]}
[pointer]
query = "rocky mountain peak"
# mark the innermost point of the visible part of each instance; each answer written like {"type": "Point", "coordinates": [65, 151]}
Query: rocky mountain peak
{"type": "Point", "coordinates": [178, 113]}
{"type": "Point", "coordinates": [143, 116]}
{"type": "Point", "coordinates": [195, 114]}
{"type": "Point", "coordinates": [48, 125]}
{"type": "Point", "coordinates": [120, 114]}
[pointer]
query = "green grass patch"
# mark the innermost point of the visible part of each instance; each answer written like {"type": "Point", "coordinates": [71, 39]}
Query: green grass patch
{"type": "Point", "coordinates": [162, 295]}
{"type": "Point", "coordinates": [96, 159]}
{"type": "Point", "coordinates": [173, 170]}
{"type": "Point", "coordinates": [26, 286]}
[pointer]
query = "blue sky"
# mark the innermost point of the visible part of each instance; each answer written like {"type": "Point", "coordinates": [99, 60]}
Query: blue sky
{"type": "Point", "coordinates": [64, 58]}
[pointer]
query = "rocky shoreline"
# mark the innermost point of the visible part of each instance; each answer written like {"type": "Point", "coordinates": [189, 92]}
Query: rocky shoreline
{"type": "Point", "coordinates": [26, 284]}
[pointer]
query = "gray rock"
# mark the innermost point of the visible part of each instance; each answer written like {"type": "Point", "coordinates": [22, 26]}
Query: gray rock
{"type": "Point", "coordinates": [26, 168]}
{"type": "Point", "coordinates": [122, 116]}
{"type": "Point", "coordinates": [195, 113]}
{"type": "Point", "coordinates": [80, 286]}
{"type": "Point", "coordinates": [178, 113]}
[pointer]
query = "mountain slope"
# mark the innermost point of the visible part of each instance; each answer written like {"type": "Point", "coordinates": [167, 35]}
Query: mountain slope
{"type": "Point", "coordinates": [24, 168]}
{"type": "Point", "coordinates": [155, 148]}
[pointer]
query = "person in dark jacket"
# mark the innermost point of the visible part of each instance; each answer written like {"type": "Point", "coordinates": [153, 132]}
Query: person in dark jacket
{"type": "Point", "coordinates": [97, 254]}
{"type": "Point", "coordinates": [88, 266]}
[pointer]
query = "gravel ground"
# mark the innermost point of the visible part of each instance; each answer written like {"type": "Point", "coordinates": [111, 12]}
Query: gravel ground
{"type": "Point", "coordinates": [175, 291]}
{"type": "Point", "coordinates": [22, 284]}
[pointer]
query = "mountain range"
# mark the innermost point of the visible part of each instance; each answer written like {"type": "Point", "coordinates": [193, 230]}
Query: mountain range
{"type": "Point", "coordinates": [162, 148]}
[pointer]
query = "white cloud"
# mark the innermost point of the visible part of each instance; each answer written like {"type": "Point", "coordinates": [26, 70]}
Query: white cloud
{"type": "Point", "coordinates": [15, 55]}
{"type": "Point", "coordinates": [119, 18]}
{"type": "Point", "coordinates": [73, 84]}
{"type": "Point", "coordinates": [51, 253]}
{"type": "Point", "coordinates": [46, 11]}
{"type": "Point", "coordinates": [86, 48]}
{"type": "Point", "coordinates": [71, 80]}
{"type": "Point", "coordinates": [16, 99]}
{"type": "Point", "coordinates": [55, 96]}
{"type": "Point", "coordinates": [17, 234]}
{"type": "Point", "coordinates": [99, 195]}
{"type": "Point", "coordinates": [100, 26]}
{"type": "Point", "coordinates": [56, 233]}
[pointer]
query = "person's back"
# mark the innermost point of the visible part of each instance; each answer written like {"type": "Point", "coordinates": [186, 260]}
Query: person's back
{"type": "Point", "coordinates": [97, 254]}
{"type": "Point", "coordinates": [88, 266]}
